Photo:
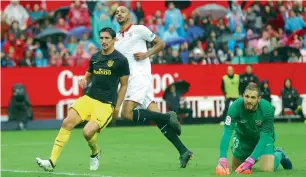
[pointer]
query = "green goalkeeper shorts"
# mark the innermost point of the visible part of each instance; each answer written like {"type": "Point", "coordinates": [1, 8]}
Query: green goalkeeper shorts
{"type": "Point", "coordinates": [242, 150]}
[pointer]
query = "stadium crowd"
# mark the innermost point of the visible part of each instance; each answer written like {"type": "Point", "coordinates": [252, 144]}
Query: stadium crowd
{"type": "Point", "coordinates": [274, 32]}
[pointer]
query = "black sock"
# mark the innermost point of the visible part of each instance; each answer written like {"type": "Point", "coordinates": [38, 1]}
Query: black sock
{"type": "Point", "coordinates": [169, 133]}
{"type": "Point", "coordinates": [140, 115]}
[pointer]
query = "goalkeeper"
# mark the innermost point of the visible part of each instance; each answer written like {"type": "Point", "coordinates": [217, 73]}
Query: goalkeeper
{"type": "Point", "coordinates": [252, 119]}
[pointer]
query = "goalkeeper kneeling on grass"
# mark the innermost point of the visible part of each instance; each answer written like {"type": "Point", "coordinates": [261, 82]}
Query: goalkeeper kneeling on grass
{"type": "Point", "coordinates": [252, 119]}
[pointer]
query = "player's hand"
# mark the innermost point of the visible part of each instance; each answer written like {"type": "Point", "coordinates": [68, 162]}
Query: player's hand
{"type": "Point", "coordinates": [140, 56]}
{"type": "Point", "coordinates": [246, 166]}
{"type": "Point", "coordinates": [222, 168]}
{"type": "Point", "coordinates": [116, 113]}
{"type": "Point", "coordinates": [83, 83]}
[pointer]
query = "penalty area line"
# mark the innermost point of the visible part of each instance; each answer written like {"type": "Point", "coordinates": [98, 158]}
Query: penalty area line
{"type": "Point", "coordinates": [54, 173]}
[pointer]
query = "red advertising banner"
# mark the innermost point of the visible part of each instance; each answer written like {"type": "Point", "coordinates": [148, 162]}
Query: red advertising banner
{"type": "Point", "coordinates": [47, 86]}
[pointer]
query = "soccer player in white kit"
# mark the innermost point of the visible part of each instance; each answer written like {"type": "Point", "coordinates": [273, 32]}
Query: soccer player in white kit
{"type": "Point", "coordinates": [139, 102]}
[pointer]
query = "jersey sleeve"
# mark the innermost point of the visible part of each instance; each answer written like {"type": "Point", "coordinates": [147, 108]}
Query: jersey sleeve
{"type": "Point", "coordinates": [146, 34]}
{"type": "Point", "coordinates": [268, 123]}
{"type": "Point", "coordinates": [232, 114]}
{"type": "Point", "coordinates": [266, 131]}
{"type": "Point", "coordinates": [90, 66]}
{"type": "Point", "coordinates": [229, 125]}
{"type": "Point", "coordinates": [124, 68]}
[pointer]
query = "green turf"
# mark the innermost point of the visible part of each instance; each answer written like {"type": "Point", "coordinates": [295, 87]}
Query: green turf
{"type": "Point", "coordinates": [138, 152]}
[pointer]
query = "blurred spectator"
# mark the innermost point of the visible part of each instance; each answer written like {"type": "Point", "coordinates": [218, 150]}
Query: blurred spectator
{"type": "Point", "coordinates": [9, 43]}
{"type": "Point", "coordinates": [196, 56]}
{"type": "Point", "coordinates": [62, 25]}
{"type": "Point", "coordinates": [171, 34]}
{"type": "Point", "coordinates": [211, 58]}
{"type": "Point", "coordinates": [159, 58]}
{"type": "Point", "coordinates": [222, 29]}
{"type": "Point", "coordinates": [194, 32]}
{"type": "Point", "coordinates": [184, 53]}
{"type": "Point", "coordinates": [86, 41]}
{"type": "Point", "coordinates": [230, 88]}
{"type": "Point", "coordinates": [139, 11]}
{"type": "Point", "coordinates": [250, 57]}
{"type": "Point", "coordinates": [207, 27]}
{"type": "Point", "coordinates": [268, 14]}
{"type": "Point", "coordinates": [293, 58]}
{"type": "Point", "coordinates": [19, 108]}
{"type": "Point", "coordinates": [174, 18]}
{"type": "Point", "coordinates": [235, 19]}
{"type": "Point", "coordinates": [151, 25]}
{"type": "Point", "coordinates": [239, 59]}
{"type": "Point", "coordinates": [40, 60]}
{"type": "Point", "coordinates": [28, 59]}
{"type": "Point", "coordinates": [80, 56]}
{"type": "Point", "coordinates": [14, 29]}
{"type": "Point", "coordinates": [275, 58]}
{"type": "Point", "coordinates": [247, 78]}
{"type": "Point", "coordinates": [265, 90]}
{"type": "Point", "coordinates": [262, 42]}
{"type": "Point", "coordinates": [100, 22]}
{"type": "Point", "coordinates": [6, 62]}
{"type": "Point", "coordinates": [250, 18]}
{"type": "Point", "coordinates": [15, 11]}
{"type": "Point", "coordinates": [264, 57]}
{"type": "Point", "coordinates": [78, 15]}
{"type": "Point", "coordinates": [173, 101]}
{"type": "Point", "coordinates": [160, 28]}
{"type": "Point", "coordinates": [72, 44]}
{"type": "Point", "coordinates": [175, 57]}
{"type": "Point", "coordinates": [294, 22]}
{"type": "Point", "coordinates": [291, 99]}
{"type": "Point", "coordinates": [37, 13]}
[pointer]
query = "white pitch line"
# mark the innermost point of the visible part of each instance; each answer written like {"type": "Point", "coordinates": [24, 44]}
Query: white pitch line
{"type": "Point", "coordinates": [55, 173]}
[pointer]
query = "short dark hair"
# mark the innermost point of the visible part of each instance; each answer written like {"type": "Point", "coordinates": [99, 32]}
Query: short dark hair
{"type": "Point", "coordinates": [253, 86]}
{"type": "Point", "coordinates": [109, 30]}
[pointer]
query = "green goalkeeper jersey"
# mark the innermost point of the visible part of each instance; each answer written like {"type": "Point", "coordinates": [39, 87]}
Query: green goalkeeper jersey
{"type": "Point", "coordinates": [249, 127]}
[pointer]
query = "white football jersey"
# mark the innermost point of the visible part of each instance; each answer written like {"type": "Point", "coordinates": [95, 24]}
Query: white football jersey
{"type": "Point", "coordinates": [133, 40]}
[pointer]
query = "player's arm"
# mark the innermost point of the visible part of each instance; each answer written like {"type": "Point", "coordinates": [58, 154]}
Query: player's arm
{"type": "Point", "coordinates": [149, 36]}
{"type": "Point", "coordinates": [158, 46]}
{"type": "Point", "coordinates": [87, 77]}
{"type": "Point", "coordinates": [121, 93]}
{"type": "Point", "coordinates": [124, 77]}
{"type": "Point", "coordinates": [266, 134]}
{"type": "Point", "coordinates": [229, 125]}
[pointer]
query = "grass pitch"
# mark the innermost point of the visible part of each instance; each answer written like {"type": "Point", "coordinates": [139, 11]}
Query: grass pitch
{"type": "Point", "coordinates": [138, 152]}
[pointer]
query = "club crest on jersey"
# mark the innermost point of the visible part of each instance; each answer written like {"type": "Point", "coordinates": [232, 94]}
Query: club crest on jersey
{"type": "Point", "coordinates": [258, 122]}
{"type": "Point", "coordinates": [110, 63]}
{"type": "Point", "coordinates": [228, 120]}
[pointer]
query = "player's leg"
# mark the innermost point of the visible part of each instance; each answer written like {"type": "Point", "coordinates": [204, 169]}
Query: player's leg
{"type": "Point", "coordinates": [241, 151]}
{"type": "Point", "coordinates": [62, 138]}
{"type": "Point", "coordinates": [170, 134]}
{"type": "Point", "coordinates": [137, 91]}
{"type": "Point", "coordinates": [101, 116]}
{"type": "Point", "coordinates": [76, 114]}
{"type": "Point", "coordinates": [271, 159]}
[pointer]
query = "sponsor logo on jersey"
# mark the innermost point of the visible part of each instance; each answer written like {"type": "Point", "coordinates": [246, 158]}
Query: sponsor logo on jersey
{"type": "Point", "coordinates": [110, 63]}
{"type": "Point", "coordinates": [103, 72]}
{"type": "Point", "coordinates": [228, 120]}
